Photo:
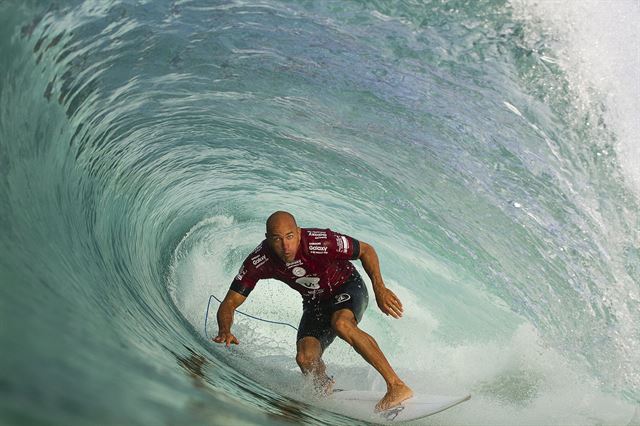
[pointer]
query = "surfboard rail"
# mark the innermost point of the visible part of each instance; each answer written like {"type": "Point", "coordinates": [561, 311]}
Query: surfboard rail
{"type": "Point", "coordinates": [360, 404]}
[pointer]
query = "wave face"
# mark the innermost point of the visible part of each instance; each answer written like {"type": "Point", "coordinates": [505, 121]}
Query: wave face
{"type": "Point", "coordinates": [488, 150]}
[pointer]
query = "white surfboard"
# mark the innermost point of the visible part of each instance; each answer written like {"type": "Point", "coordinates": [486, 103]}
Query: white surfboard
{"type": "Point", "coordinates": [361, 405]}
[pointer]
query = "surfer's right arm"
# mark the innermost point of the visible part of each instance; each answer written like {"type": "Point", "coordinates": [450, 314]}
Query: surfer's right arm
{"type": "Point", "coordinates": [226, 310]}
{"type": "Point", "coordinates": [252, 270]}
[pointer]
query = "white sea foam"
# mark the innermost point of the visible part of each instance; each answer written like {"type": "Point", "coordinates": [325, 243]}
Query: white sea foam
{"type": "Point", "coordinates": [599, 48]}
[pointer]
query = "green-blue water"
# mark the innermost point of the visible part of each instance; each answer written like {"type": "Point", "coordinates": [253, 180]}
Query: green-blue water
{"type": "Point", "coordinates": [487, 149]}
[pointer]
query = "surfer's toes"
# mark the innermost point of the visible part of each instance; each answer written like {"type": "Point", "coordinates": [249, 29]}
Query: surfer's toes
{"type": "Point", "coordinates": [395, 396]}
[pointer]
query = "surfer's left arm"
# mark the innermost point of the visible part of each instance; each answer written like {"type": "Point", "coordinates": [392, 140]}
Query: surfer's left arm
{"type": "Point", "coordinates": [387, 301]}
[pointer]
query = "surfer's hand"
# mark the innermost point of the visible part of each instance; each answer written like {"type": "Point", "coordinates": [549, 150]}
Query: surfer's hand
{"type": "Point", "coordinates": [226, 338]}
{"type": "Point", "coordinates": [389, 303]}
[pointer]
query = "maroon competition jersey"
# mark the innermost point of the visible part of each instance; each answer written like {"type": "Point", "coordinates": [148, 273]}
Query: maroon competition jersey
{"type": "Point", "coordinates": [320, 267]}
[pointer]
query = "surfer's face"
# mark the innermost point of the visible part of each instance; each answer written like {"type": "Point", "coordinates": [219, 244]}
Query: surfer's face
{"type": "Point", "coordinates": [284, 239]}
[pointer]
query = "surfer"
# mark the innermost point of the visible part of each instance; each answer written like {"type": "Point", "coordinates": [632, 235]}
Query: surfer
{"type": "Point", "coordinates": [315, 262]}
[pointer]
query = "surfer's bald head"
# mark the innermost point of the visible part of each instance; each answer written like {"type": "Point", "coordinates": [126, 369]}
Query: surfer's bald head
{"type": "Point", "coordinates": [280, 218]}
{"type": "Point", "coordinates": [283, 235]}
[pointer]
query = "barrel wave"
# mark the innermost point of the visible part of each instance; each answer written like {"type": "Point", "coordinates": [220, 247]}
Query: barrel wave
{"type": "Point", "coordinates": [488, 150]}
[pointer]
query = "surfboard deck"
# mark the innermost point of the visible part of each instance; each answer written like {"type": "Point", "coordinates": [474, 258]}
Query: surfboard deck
{"type": "Point", "coordinates": [360, 405]}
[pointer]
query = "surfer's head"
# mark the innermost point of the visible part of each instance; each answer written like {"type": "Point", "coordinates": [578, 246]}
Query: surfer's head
{"type": "Point", "coordinates": [283, 235]}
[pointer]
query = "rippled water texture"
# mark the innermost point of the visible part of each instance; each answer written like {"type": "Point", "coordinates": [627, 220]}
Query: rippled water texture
{"type": "Point", "coordinates": [488, 150]}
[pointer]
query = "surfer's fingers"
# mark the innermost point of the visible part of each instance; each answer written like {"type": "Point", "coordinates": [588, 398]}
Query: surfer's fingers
{"type": "Point", "coordinates": [396, 310]}
{"type": "Point", "coordinates": [389, 304]}
{"type": "Point", "coordinates": [391, 310]}
{"type": "Point", "coordinates": [395, 299]}
{"type": "Point", "coordinates": [395, 302]}
{"type": "Point", "coordinates": [385, 308]}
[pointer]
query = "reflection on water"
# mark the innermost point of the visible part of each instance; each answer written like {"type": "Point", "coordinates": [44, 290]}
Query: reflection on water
{"type": "Point", "coordinates": [281, 410]}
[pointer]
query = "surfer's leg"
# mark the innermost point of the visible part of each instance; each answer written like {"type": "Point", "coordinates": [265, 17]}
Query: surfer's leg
{"type": "Point", "coordinates": [309, 355]}
{"type": "Point", "coordinates": [314, 335]}
{"type": "Point", "coordinates": [345, 324]}
{"type": "Point", "coordinates": [309, 359]}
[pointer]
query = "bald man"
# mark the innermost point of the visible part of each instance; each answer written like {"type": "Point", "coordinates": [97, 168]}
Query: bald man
{"type": "Point", "coordinates": [316, 263]}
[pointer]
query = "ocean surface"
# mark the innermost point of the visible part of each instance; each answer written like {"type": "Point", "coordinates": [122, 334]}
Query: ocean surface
{"type": "Point", "coordinates": [487, 149]}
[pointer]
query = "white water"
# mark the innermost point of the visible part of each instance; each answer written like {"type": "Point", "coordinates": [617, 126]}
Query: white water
{"type": "Point", "coordinates": [597, 43]}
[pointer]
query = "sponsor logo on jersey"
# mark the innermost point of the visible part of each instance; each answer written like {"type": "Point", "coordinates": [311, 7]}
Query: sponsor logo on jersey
{"type": "Point", "coordinates": [343, 244]}
{"type": "Point", "coordinates": [298, 271]}
{"type": "Point", "coordinates": [259, 260]}
{"type": "Point", "coordinates": [343, 297]}
{"type": "Point", "coordinates": [297, 262]}
{"type": "Point", "coordinates": [321, 235]}
{"type": "Point", "coordinates": [317, 248]}
{"type": "Point", "coordinates": [241, 272]}
{"type": "Point", "coordinates": [312, 283]}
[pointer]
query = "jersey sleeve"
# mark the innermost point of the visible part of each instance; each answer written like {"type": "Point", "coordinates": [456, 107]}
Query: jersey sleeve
{"type": "Point", "coordinates": [250, 272]}
{"type": "Point", "coordinates": [343, 246]}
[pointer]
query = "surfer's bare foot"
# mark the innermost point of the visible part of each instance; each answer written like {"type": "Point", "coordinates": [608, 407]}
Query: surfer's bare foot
{"type": "Point", "coordinates": [396, 394]}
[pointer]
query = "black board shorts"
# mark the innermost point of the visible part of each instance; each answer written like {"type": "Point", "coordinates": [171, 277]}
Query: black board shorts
{"type": "Point", "coordinates": [316, 315]}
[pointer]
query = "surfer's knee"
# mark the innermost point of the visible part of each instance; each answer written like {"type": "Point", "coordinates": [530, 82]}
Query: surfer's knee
{"type": "Point", "coordinates": [302, 361]}
{"type": "Point", "coordinates": [344, 326]}
{"type": "Point", "coordinates": [308, 354]}
{"type": "Point", "coordinates": [307, 361]}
